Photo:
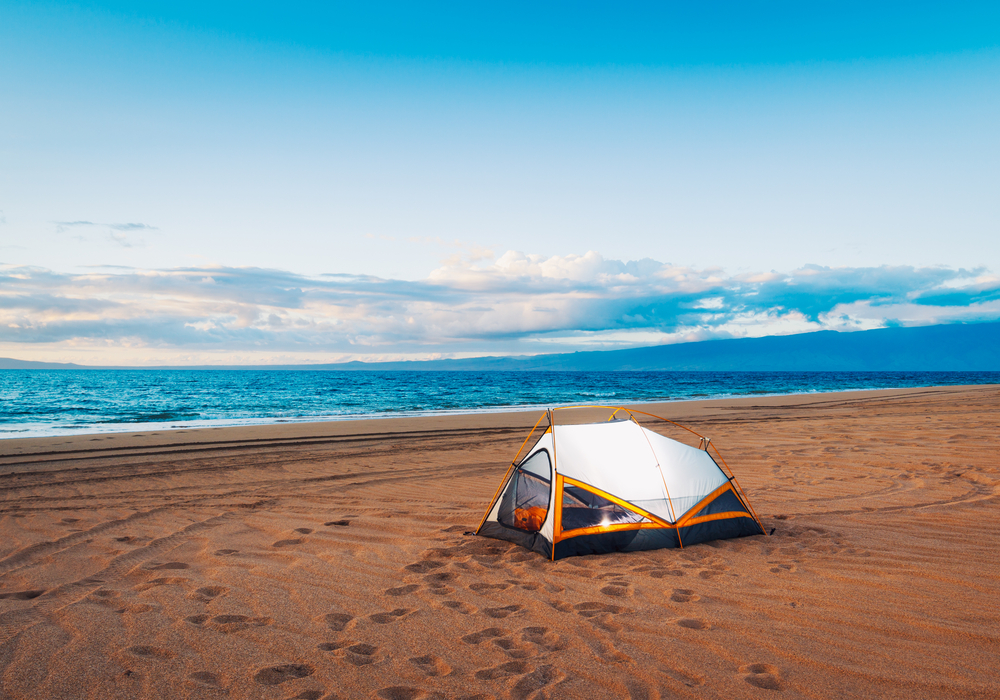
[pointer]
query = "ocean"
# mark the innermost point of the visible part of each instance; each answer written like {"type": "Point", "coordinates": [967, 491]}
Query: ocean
{"type": "Point", "coordinates": [37, 403]}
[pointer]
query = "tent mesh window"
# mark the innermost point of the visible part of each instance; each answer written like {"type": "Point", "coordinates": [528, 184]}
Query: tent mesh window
{"type": "Point", "coordinates": [581, 508]}
{"type": "Point", "coordinates": [525, 503]}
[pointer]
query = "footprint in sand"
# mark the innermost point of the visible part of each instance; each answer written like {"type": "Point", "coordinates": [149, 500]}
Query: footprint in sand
{"type": "Point", "coordinates": [458, 606]}
{"type": "Point", "coordinates": [542, 637]}
{"type": "Point", "coordinates": [276, 675]}
{"type": "Point", "coordinates": [431, 665]}
{"type": "Point", "coordinates": [207, 594]}
{"type": "Point", "coordinates": [22, 595]}
{"type": "Point", "coordinates": [401, 692]}
{"type": "Point", "coordinates": [337, 523]}
{"type": "Point", "coordinates": [483, 635]}
{"type": "Point", "coordinates": [385, 618]}
{"type": "Point", "coordinates": [170, 565]}
{"type": "Point", "coordinates": [783, 568]}
{"type": "Point", "coordinates": [593, 609]}
{"type": "Point", "coordinates": [663, 573]}
{"type": "Point", "coordinates": [197, 619]}
{"type": "Point", "coordinates": [308, 695]}
{"type": "Point", "coordinates": [693, 623]}
{"type": "Point", "coordinates": [535, 681]}
{"type": "Point", "coordinates": [152, 652]}
{"type": "Point", "coordinates": [561, 606]}
{"type": "Point", "coordinates": [332, 646]}
{"type": "Point", "coordinates": [511, 668]}
{"type": "Point", "coordinates": [487, 587]}
{"type": "Point", "coordinates": [514, 649]}
{"type": "Point", "coordinates": [684, 595]}
{"type": "Point", "coordinates": [231, 623]}
{"type": "Point", "coordinates": [500, 613]}
{"type": "Point", "coordinates": [361, 654]}
{"type": "Point", "coordinates": [339, 622]}
{"type": "Point", "coordinates": [304, 530]}
{"type": "Point", "coordinates": [403, 590]}
{"type": "Point", "coordinates": [423, 567]}
{"type": "Point", "coordinates": [205, 678]}
{"type": "Point", "coordinates": [763, 676]}
{"type": "Point", "coordinates": [618, 589]}
{"type": "Point", "coordinates": [288, 543]}
{"type": "Point", "coordinates": [225, 552]}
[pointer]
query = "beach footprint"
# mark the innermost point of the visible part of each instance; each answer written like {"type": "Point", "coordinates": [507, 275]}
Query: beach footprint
{"type": "Point", "coordinates": [403, 590]}
{"type": "Point", "coordinates": [511, 668]}
{"type": "Point", "coordinates": [206, 594]}
{"type": "Point", "coordinates": [487, 587]}
{"type": "Point", "coordinates": [593, 609]}
{"type": "Point", "coordinates": [763, 676]}
{"type": "Point", "coordinates": [276, 675]}
{"type": "Point", "coordinates": [423, 567]}
{"type": "Point", "coordinates": [458, 606]}
{"type": "Point", "coordinates": [618, 589]}
{"type": "Point", "coordinates": [694, 623]}
{"type": "Point", "coordinates": [361, 654]}
{"type": "Point", "coordinates": [500, 613]}
{"type": "Point", "coordinates": [483, 635]}
{"type": "Point", "coordinates": [684, 595]}
{"type": "Point", "coordinates": [384, 618]}
{"type": "Point", "coordinates": [339, 622]}
{"type": "Point", "coordinates": [401, 692]}
{"type": "Point", "coordinates": [543, 638]}
{"type": "Point", "coordinates": [431, 665]}
{"type": "Point", "coordinates": [205, 678]}
{"type": "Point", "coordinates": [534, 683]}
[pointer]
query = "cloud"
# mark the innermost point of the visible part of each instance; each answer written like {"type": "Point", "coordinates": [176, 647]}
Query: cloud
{"type": "Point", "coordinates": [124, 228]}
{"type": "Point", "coordinates": [517, 303]}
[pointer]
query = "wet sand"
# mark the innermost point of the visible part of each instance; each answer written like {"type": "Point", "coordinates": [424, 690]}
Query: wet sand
{"type": "Point", "coordinates": [330, 560]}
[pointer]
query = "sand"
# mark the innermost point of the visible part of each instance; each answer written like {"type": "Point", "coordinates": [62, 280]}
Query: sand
{"type": "Point", "coordinates": [332, 560]}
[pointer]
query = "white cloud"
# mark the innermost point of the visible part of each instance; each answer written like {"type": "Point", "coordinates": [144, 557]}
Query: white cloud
{"type": "Point", "coordinates": [517, 303]}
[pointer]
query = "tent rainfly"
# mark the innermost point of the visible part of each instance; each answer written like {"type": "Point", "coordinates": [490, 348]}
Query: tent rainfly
{"type": "Point", "coordinates": [615, 487]}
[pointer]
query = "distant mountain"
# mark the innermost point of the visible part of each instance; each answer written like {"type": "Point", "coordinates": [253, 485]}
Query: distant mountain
{"type": "Point", "coordinates": [10, 363]}
{"type": "Point", "coordinates": [954, 347]}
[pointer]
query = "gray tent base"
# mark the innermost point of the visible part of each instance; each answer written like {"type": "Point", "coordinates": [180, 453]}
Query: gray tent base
{"type": "Point", "coordinates": [627, 540]}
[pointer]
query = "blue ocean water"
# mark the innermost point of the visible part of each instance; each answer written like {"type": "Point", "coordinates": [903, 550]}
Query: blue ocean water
{"type": "Point", "coordinates": [59, 402]}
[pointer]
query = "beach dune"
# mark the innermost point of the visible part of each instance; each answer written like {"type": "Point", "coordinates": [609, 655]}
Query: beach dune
{"type": "Point", "coordinates": [334, 560]}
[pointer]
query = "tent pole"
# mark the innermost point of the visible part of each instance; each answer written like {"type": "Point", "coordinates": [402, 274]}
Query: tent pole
{"type": "Point", "coordinates": [552, 429]}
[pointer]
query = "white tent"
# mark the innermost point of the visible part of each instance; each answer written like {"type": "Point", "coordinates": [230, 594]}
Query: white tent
{"type": "Point", "coordinates": [615, 486]}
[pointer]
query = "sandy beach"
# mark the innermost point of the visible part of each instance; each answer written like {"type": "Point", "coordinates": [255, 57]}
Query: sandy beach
{"type": "Point", "coordinates": [333, 560]}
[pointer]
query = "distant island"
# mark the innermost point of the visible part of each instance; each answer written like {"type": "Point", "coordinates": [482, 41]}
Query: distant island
{"type": "Point", "coordinates": [952, 347]}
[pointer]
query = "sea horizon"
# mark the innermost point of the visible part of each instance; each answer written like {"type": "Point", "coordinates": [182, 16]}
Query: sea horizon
{"type": "Point", "coordinates": [60, 402]}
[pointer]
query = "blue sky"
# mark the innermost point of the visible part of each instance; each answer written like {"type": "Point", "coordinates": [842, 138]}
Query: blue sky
{"type": "Point", "coordinates": [452, 179]}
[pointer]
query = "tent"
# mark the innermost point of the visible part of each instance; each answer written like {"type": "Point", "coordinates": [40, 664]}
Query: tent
{"type": "Point", "coordinates": [615, 486]}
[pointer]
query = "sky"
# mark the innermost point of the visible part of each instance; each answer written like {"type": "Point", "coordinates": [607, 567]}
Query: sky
{"type": "Point", "coordinates": [199, 183]}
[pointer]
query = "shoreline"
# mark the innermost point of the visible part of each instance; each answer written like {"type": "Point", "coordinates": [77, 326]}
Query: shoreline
{"type": "Point", "coordinates": [669, 406]}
